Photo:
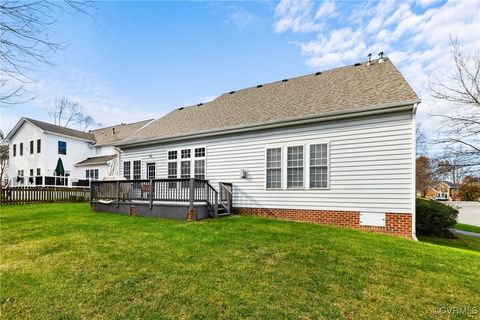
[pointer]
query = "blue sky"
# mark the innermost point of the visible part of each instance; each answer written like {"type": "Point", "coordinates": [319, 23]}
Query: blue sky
{"type": "Point", "coordinates": [138, 60]}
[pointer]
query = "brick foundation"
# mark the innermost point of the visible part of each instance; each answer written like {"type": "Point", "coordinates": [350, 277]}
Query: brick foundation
{"type": "Point", "coordinates": [397, 224]}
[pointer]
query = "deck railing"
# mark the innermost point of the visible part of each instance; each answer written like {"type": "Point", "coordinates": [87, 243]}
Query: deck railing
{"type": "Point", "coordinates": [188, 190]}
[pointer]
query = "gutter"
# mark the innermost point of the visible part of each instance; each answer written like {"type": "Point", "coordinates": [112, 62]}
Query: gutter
{"type": "Point", "coordinates": [329, 116]}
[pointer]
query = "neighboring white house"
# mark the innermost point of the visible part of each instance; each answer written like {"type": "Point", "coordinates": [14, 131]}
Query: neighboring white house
{"type": "Point", "coordinates": [36, 147]}
{"type": "Point", "coordinates": [332, 147]}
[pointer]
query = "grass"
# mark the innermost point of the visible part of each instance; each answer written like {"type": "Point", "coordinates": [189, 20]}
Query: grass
{"type": "Point", "coordinates": [61, 261]}
{"type": "Point", "coordinates": [467, 227]}
{"type": "Point", "coordinates": [461, 242]}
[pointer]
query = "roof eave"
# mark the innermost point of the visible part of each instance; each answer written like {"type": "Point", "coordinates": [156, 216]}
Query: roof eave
{"type": "Point", "coordinates": [105, 163]}
{"type": "Point", "coordinates": [329, 116]}
{"type": "Point", "coordinates": [67, 136]}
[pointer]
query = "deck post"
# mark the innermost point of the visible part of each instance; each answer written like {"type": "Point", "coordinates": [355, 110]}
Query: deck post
{"type": "Point", "coordinates": [207, 192]}
{"type": "Point", "coordinates": [192, 194]}
{"type": "Point", "coordinates": [118, 193]}
{"type": "Point", "coordinates": [91, 196]}
{"type": "Point", "coordinates": [216, 205]}
{"type": "Point", "coordinates": [150, 194]}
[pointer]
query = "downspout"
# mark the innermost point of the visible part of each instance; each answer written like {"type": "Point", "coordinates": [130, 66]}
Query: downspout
{"type": "Point", "coordinates": [414, 163]}
{"type": "Point", "coordinates": [118, 159]}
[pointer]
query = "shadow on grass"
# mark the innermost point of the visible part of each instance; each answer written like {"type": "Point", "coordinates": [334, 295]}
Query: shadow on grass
{"type": "Point", "coordinates": [460, 242]}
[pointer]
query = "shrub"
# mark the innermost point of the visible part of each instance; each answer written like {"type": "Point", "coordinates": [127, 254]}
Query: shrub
{"type": "Point", "coordinates": [434, 218]}
{"type": "Point", "coordinates": [469, 191]}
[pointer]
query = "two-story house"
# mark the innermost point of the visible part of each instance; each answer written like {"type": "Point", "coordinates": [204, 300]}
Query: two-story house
{"type": "Point", "coordinates": [45, 154]}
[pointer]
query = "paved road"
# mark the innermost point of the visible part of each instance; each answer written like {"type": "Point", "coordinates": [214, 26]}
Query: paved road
{"type": "Point", "coordinates": [465, 233]}
{"type": "Point", "coordinates": [469, 212]}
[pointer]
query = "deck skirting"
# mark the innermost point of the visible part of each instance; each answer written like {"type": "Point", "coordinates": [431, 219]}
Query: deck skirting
{"type": "Point", "coordinates": [160, 210]}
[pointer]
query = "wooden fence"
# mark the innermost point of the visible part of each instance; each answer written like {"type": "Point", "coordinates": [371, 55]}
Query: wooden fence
{"type": "Point", "coordinates": [27, 195]}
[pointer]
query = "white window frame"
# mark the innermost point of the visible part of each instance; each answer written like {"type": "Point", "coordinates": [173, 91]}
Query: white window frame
{"type": "Point", "coordinates": [147, 165]}
{"type": "Point", "coordinates": [192, 159]}
{"type": "Point", "coordinates": [282, 182]}
{"type": "Point", "coordinates": [306, 165]}
{"type": "Point", "coordinates": [285, 154]}
{"type": "Point", "coordinates": [131, 169]}
{"type": "Point", "coordinates": [307, 186]}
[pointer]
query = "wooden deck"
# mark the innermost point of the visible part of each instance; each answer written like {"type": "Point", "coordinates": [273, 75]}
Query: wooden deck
{"type": "Point", "coordinates": [172, 198]}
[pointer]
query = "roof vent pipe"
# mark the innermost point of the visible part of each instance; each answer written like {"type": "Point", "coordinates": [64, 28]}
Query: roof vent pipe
{"type": "Point", "coordinates": [369, 59]}
{"type": "Point", "coordinates": [380, 57]}
{"type": "Point", "coordinates": [113, 130]}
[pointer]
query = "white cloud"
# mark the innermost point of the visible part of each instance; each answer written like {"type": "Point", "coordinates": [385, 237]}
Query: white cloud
{"type": "Point", "coordinates": [239, 16]}
{"type": "Point", "coordinates": [91, 91]}
{"type": "Point", "coordinates": [300, 16]}
{"type": "Point", "coordinates": [416, 36]}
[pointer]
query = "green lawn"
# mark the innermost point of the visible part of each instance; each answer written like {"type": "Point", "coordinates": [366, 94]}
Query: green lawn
{"type": "Point", "coordinates": [64, 262]}
{"type": "Point", "coordinates": [467, 227]}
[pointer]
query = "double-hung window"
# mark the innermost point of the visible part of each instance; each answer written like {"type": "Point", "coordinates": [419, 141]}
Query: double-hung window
{"type": "Point", "coordinates": [137, 170]}
{"type": "Point", "coordinates": [172, 171]}
{"type": "Point", "coordinates": [295, 167]}
{"type": "Point", "coordinates": [274, 168]}
{"type": "Point", "coordinates": [62, 147]}
{"type": "Point", "coordinates": [14, 150]}
{"type": "Point", "coordinates": [127, 170]}
{"type": "Point", "coordinates": [91, 174]}
{"type": "Point", "coordinates": [31, 147]}
{"type": "Point", "coordinates": [21, 149]}
{"type": "Point", "coordinates": [39, 145]}
{"type": "Point", "coordinates": [185, 164]}
{"type": "Point", "coordinates": [318, 166]}
{"type": "Point", "coordinates": [199, 163]}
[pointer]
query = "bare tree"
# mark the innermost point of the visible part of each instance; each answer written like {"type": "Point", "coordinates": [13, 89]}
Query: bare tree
{"type": "Point", "coordinates": [461, 127]}
{"type": "Point", "coordinates": [452, 166]}
{"type": "Point", "coordinates": [3, 155]}
{"type": "Point", "coordinates": [66, 113]}
{"type": "Point", "coordinates": [421, 141]}
{"type": "Point", "coordinates": [25, 42]}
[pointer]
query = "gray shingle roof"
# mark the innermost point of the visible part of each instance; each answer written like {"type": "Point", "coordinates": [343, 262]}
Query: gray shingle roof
{"type": "Point", "coordinates": [61, 130]}
{"type": "Point", "coordinates": [95, 160]}
{"type": "Point", "coordinates": [345, 89]}
{"type": "Point", "coordinates": [110, 135]}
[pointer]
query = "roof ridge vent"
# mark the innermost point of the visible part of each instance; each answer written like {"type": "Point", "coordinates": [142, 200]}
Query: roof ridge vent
{"type": "Point", "coordinates": [231, 92]}
{"type": "Point", "coordinates": [318, 73]}
{"type": "Point", "coordinates": [181, 108]}
{"type": "Point", "coordinates": [357, 64]}
{"type": "Point", "coordinates": [260, 85]}
{"type": "Point", "coordinates": [200, 104]}
{"type": "Point", "coordinates": [284, 80]}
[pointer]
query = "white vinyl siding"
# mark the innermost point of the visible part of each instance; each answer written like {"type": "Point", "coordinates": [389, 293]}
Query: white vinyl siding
{"type": "Point", "coordinates": [370, 164]}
